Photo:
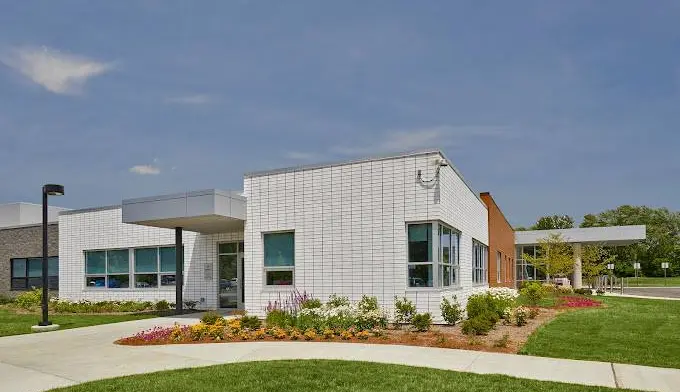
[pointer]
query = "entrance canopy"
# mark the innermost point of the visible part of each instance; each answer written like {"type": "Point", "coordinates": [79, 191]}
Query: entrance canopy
{"type": "Point", "coordinates": [610, 235]}
{"type": "Point", "coordinates": [208, 211]}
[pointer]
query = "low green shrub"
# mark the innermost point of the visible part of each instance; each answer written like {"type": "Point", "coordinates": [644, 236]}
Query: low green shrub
{"type": "Point", "coordinates": [251, 322]}
{"type": "Point", "coordinates": [29, 299]}
{"type": "Point", "coordinates": [279, 318]}
{"type": "Point", "coordinates": [162, 305]}
{"type": "Point", "coordinates": [599, 292]}
{"type": "Point", "coordinates": [421, 322]}
{"type": "Point", "coordinates": [312, 303]}
{"type": "Point", "coordinates": [583, 291]}
{"type": "Point", "coordinates": [452, 312]}
{"type": "Point", "coordinates": [533, 292]}
{"type": "Point", "coordinates": [210, 318]}
{"type": "Point", "coordinates": [479, 325]}
{"type": "Point", "coordinates": [479, 304]}
{"type": "Point", "coordinates": [403, 310]}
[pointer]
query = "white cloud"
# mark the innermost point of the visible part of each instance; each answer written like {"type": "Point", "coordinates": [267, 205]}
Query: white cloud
{"type": "Point", "coordinates": [197, 99]}
{"type": "Point", "coordinates": [433, 137]}
{"type": "Point", "coordinates": [145, 170]}
{"type": "Point", "coordinates": [57, 72]}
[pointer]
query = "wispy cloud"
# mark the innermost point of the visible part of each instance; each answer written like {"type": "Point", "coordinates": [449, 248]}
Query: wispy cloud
{"type": "Point", "coordinates": [145, 170]}
{"type": "Point", "coordinates": [195, 99]}
{"type": "Point", "coordinates": [57, 72]}
{"type": "Point", "coordinates": [432, 137]}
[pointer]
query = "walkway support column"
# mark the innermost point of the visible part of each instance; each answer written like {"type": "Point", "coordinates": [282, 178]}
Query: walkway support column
{"type": "Point", "coordinates": [179, 269]}
{"type": "Point", "coordinates": [578, 273]}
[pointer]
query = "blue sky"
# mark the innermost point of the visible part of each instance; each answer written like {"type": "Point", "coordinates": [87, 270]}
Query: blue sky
{"type": "Point", "coordinates": [552, 106]}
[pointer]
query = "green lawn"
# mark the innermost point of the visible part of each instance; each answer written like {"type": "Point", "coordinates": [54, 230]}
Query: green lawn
{"type": "Point", "coordinates": [628, 330]}
{"type": "Point", "coordinates": [12, 323]}
{"type": "Point", "coordinates": [315, 376]}
{"type": "Point", "coordinates": [673, 281]}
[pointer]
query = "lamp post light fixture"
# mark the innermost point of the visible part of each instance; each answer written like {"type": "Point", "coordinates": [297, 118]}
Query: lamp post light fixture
{"type": "Point", "coordinates": [47, 190]}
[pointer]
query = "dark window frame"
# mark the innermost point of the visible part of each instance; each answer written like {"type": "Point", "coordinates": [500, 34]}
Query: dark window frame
{"type": "Point", "coordinates": [52, 280]}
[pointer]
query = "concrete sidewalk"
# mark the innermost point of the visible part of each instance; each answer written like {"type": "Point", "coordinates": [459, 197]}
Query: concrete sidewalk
{"type": "Point", "coordinates": [31, 363]}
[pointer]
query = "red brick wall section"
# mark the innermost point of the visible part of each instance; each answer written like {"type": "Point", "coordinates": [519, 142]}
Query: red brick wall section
{"type": "Point", "coordinates": [501, 239]}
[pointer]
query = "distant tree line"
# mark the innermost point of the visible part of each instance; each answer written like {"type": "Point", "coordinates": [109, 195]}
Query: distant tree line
{"type": "Point", "coordinates": [662, 243]}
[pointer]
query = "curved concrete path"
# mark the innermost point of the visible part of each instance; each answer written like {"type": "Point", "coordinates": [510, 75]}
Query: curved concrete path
{"type": "Point", "coordinates": [38, 362]}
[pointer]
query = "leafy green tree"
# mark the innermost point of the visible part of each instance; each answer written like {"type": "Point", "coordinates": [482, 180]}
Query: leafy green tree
{"type": "Point", "coordinates": [554, 222]}
{"type": "Point", "coordinates": [594, 260]}
{"type": "Point", "coordinates": [554, 257]}
{"type": "Point", "coordinates": [662, 243]}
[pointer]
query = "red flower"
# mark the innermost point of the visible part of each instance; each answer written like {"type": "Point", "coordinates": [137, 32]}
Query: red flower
{"type": "Point", "coordinates": [578, 302]}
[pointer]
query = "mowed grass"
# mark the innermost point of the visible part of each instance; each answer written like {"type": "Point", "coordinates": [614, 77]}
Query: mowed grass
{"type": "Point", "coordinates": [320, 375]}
{"type": "Point", "coordinates": [673, 281]}
{"type": "Point", "coordinates": [12, 323]}
{"type": "Point", "coordinates": [627, 330]}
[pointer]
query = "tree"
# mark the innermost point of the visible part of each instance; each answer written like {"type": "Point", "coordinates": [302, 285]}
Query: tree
{"type": "Point", "coordinates": [554, 222]}
{"type": "Point", "coordinates": [520, 228]}
{"type": "Point", "coordinates": [662, 243]}
{"type": "Point", "coordinates": [594, 260]}
{"type": "Point", "coordinates": [554, 257]}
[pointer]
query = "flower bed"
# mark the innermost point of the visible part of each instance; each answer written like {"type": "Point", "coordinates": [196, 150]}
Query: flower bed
{"type": "Point", "coordinates": [338, 320]}
{"type": "Point", "coordinates": [577, 302]}
{"type": "Point", "coordinates": [506, 338]}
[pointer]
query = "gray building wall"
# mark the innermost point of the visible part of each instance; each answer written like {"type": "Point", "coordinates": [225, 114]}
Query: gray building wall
{"type": "Point", "coordinates": [19, 214]}
{"type": "Point", "coordinates": [23, 241]}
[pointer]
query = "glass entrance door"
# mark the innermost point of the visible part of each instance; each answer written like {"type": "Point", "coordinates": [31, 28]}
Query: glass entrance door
{"type": "Point", "coordinates": [230, 255]}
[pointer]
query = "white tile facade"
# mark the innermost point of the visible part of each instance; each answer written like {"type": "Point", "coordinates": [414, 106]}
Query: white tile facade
{"type": "Point", "coordinates": [350, 235]}
{"type": "Point", "coordinates": [103, 229]}
{"type": "Point", "coordinates": [350, 228]}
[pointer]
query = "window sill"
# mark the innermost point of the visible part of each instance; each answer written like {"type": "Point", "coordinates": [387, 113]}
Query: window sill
{"type": "Point", "coordinates": [278, 288]}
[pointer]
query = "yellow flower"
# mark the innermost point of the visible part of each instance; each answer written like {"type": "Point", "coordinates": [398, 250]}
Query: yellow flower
{"type": "Point", "coordinates": [234, 324]}
{"type": "Point", "coordinates": [363, 335]}
{"type": "Point", "coordinates": [310, 334]}
{"type": "Point", "coordinates": [259, 333]}
{"type": "Point", "coordinates": [328, 333]}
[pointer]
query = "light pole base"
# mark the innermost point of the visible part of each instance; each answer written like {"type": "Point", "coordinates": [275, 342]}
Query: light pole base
{"type": "Point", "coordinates": [45, 328]}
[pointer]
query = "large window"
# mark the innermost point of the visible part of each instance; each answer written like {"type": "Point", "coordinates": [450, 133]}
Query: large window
{"type": "Point", "coordinates": [27, 273]}
{"type": "Point", "coordinates": [420, 261]}
{"type": "Point", "coordinates": [112, 268]}
{"type": "Point", "coordinates": [525, 270]}
{"type": "Point", "coordinates": [479, 263]}
{"type": "Point", "coordinates": [449, 266]}
{"type": "Point", "coordinates": [279, 258]}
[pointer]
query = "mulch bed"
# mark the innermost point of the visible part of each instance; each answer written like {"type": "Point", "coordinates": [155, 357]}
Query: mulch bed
{"type": "Point", "coordinates": [443, 336]}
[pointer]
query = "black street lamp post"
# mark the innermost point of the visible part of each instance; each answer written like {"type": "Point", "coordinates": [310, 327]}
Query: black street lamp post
{"type": "Point", "coordinates": [47, 190]}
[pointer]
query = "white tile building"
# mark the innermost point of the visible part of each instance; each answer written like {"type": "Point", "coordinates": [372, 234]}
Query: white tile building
{"type": "Point", "coordinates": [328, 229]}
